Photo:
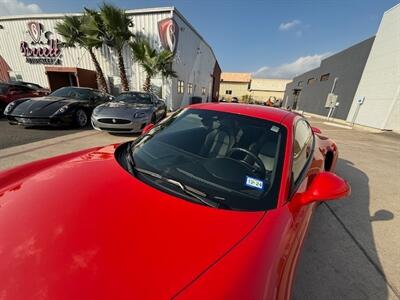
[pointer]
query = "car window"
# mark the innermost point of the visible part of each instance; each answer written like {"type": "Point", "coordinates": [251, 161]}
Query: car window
{"type": "Point", "coordinates": [134, 97]}
{"type": "Point", "coordinates": [26, 89]}
{"type": "Point", "coordinates": [302, 144]}
{"type": "Point", "coordinates": [34, 86]}
{"type": "Point", "coordinates": [74, 93]}
{"type": "Point", "coordinates": [96, 95]}
{"type": "Point", "coordinates": [202, 149]}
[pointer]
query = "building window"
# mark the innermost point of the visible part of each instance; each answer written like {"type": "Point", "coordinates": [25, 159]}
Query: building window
{"type": "Point", "coordinates": [228, 92]}
{"type": "Point", "coordinates": [181, 86]}
{"type": "Point", "coordinates": [190, 88]}
{"type": "Point", "coordinates": [324, 77]}
{"type": "Point", "coordinates": [203, 90]}
{"type": "Point", "coordinates": [300, 83]}
{"type": "Point", "coordinates": [310, 81]}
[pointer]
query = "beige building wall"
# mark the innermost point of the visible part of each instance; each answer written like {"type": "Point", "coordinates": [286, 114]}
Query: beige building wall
{"type": "Point", "coordinates": [239, 89]}
{"type": "Point", "coordinates": [261, 89]}
{"type": "Point", "coordinates": [265, 95]}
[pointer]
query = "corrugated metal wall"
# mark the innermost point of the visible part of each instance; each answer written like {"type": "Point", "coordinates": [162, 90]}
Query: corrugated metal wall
{"type": "Point", "coordinates": [194, 61]}
{"type": "Point", "coordinates": [16, 31]}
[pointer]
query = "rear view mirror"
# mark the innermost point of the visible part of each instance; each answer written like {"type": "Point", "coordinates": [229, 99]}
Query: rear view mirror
{"type": "Point", "coordinates": [325, 186]}
{"type": "Point", "coordinates": [147, 128]}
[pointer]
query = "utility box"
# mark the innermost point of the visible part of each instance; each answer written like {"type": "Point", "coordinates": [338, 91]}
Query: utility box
{"type": "Point", "coordinates": [331, 100]}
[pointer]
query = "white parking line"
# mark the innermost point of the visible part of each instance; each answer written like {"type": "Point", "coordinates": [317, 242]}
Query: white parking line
{"type": "Point", "coordinates": [337, 125]}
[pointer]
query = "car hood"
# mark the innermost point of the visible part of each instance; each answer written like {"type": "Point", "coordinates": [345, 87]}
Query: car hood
{"type": "Point", "coordinates": [80, 226]}
{"type": "Point", "coordinates": [41, 106]}
{"type": "Point", "coordinates": [121, 109]}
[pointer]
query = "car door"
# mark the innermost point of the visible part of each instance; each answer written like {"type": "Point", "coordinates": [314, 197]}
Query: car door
{"type": "Point", "coordinates": [96, 98]}
{"type": "Point", "coordinates": [302, 170]}
{"type": "Point", "coordinates": [159, 106]}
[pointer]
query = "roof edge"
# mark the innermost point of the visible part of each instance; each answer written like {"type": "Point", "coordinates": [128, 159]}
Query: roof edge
{"type": "Point", "coordinates": [60, 15]}
{"type": "Point", "coordinates": [179, 14]}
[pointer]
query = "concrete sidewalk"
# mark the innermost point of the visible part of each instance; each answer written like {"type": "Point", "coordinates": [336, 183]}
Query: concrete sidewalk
{"type": "Point", "coordinates": [14, 156]}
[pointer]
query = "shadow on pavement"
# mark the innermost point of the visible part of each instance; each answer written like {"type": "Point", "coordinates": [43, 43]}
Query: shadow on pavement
{"type": "Point", "coordinates": [339, 259]}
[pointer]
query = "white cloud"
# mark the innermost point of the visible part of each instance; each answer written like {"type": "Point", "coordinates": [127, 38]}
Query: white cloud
{"type": "Point", "coordinates": [289, 25]}
{"type": "Point", "coordinates": [292, 69]}
{"type": "Point", "coordinates": [15, 7]}
{"type": "Point", "coordinates": [299, 33]}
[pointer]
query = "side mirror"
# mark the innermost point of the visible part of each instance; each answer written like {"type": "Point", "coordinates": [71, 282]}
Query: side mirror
{"type": "Point", "coordinates": [316, 130]}
{"type": "Point", "coordinates": [325, 186]}
{"type": "Point", "coordinates": [147, 128]}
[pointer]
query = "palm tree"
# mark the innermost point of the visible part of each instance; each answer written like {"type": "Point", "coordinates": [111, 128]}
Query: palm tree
{"type": "Point", "coordinates": [114, 29]}
{"type": "Point", "coordinates": [151, 61]}
{"type": "Point", "coordinates": [71, 28]}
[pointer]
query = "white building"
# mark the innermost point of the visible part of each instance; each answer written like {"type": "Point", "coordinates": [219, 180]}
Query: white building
{"type": "Point", "coordinates": [377, 99]}
{"type": "Point", "coordinates": [30, 47]}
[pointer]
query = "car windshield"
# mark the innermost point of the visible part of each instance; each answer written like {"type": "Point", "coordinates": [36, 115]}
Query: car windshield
{"type": "Point", "coordinates": [229, 160]}
{"type": "Point", "coordinates": [139, 98]}
{"type": "Point", "coordinates": [33, 86]}
{"type": "Point", "coordinates": [71, 92]}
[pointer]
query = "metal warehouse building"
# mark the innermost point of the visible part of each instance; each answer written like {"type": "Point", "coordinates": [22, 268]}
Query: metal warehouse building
{"type": "Point", "coordinates": [338, 74]}
{"type": "Point", "coordinates": [363, 80]}
{"type": "Point", "coordinates": [36, 56]}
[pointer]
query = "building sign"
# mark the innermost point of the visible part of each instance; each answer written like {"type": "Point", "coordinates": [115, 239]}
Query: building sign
{"type": "Point", "coordinates": [42, 49]}
{"type": "Point", "coordinates": [168, 31]}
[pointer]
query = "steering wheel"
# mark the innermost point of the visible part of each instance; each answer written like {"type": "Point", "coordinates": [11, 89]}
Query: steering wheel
{"type": "Point", "coordinates": [257, 160]}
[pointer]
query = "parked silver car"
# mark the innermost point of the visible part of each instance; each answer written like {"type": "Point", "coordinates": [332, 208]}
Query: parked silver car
{"type": "Point", "coordinates": [129, 112]}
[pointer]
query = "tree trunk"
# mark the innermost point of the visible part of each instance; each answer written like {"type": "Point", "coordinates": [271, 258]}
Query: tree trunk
{"type": "Point", "coordinates": [122, 72]}
{"type": "Point", "coordinates": [101, 81]}
{"type": "Point", "coordinates": [147, 84]}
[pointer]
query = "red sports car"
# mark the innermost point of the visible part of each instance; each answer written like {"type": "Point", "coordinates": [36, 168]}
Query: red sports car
{"type": "Point", "coordinates": [214, 202]}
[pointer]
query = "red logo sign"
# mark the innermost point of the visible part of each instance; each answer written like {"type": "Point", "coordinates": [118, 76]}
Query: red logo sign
{"type": "Point", "coordinates": [41, 52]}
{"type": "Point", "coordinates": [168, 31]}
{"type": "Point", "coordinates": [35, 30]}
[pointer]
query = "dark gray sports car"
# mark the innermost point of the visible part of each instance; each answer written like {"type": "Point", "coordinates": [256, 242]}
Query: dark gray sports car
{"type": "Point", "coordinates": [65, 106]}
{"type": "Point", "coordinates": [129, 112]}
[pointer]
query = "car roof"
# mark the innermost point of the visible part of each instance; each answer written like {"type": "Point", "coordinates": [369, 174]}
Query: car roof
{"type": "Point", "coordinates": [11, 84]}
{"type": "Point", "coordinates": [273, 114]}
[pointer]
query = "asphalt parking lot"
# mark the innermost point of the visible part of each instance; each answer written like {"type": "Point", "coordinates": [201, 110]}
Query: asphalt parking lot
{"type": "Point", "coordinates": [352, 250]}
{"type": "Point", "coordinates": [13, 135]}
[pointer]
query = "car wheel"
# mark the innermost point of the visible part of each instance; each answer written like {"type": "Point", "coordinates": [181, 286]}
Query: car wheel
{"type": "Point", "coordinates": [164, 114]}
{"type": "Point", "coordinates": [81, 118]}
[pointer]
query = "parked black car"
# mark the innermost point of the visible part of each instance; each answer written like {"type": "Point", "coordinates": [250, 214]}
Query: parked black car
{"type": "Point", "coordinates": [41, 90]}
{"type": "Point", "coordinates": [65, 106]}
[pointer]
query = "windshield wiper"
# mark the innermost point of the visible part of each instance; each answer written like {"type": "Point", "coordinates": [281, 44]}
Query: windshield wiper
{"type": "Point", "coordinates": [199, 195]}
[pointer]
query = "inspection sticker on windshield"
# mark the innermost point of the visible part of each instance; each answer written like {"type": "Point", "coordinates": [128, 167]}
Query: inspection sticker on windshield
{"type": "Point", "coordinates": [255, 183]}
{"type": "Point", "coordinates": [274, 128]}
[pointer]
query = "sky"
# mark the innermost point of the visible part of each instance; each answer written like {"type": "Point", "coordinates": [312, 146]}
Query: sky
{"type": "Point", "coordinates": [272, 39]}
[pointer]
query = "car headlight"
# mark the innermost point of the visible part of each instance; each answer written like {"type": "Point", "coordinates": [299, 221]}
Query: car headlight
{"type": "Point", "coordinates": [62, 109]}
{"type": "Point", "coordinates": [9, 107]}
{"type": "Point", "coordinates": [139, 115]}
